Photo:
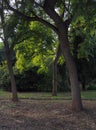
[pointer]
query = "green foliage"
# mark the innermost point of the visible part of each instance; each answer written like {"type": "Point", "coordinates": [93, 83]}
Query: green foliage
{"type": "Point", "coordinates": [4, 76]}
{"type": "Point", "coordinates": [31, 81]}
{"type": "Point", "coordinates": [27, 81]}
{"type": "Point", "coordinates": [38, 50]}
{"type": "Point", "coordinates": [83, 29]}
{"type": "Point", "coordinates": [38, 44]}
{"type": "Point", "coordinates": [91, 86]}
{"type": "Point", "coordinates": [2, 52]}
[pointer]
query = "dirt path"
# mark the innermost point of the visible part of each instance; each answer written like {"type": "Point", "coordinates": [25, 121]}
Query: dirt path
{"type": "Point", "coordinates": [46, 115]}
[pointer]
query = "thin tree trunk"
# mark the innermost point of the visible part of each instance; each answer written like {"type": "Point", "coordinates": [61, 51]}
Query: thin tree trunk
{"type": "Point", "coordinates": [54, 90]}
{"type": "Point", "coordinates": [13, 83]}
{"type": "Point", "coordinates": [7, 51]}
{"type": "Point", "coordinates": [83, 85]}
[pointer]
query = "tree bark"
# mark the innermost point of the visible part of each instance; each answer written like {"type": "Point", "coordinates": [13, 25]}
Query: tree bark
{"type": "Point", "coordinates": [83, 84]}
{"type": "Point", "coordinates": [7, 51]}
{"type": "Point", "coordinates": [71, 66]}
{"type": "Point", "coordinates": [54, 90]}
{"type": "Point", "coordinates": [13, 83]}
{"type": "Point", "coordinates": [64, 45]}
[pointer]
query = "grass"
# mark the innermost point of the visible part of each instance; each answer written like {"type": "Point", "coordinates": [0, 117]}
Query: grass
{"type": "Point", "coordinates": [43, 95]}
{"type": "Point", "coordinates": [88, 95]}
{"type": "Point", "coordinates": [4, 94]}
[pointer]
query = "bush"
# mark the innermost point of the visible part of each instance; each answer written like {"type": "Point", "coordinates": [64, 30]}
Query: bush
{"type": "Point", "coordinates": [4, 77]}
{"type": "Point", "coordinates": [27, 81]}
{"type": "Point", "coordinates": [91, 87]}
{"type": "Point", "coordinates": [30, 80]}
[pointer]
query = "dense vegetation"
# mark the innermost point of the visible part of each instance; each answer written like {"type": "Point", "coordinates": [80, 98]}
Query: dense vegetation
{"type": "Point", "coordinates": [48, 46]}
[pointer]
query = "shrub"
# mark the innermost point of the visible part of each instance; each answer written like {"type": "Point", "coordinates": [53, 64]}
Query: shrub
{"type": "Point", "coordinates": [4, 76]}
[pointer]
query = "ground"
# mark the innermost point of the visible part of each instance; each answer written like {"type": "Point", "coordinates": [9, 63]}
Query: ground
{"type": "Point", "coordinates": [46, 115]}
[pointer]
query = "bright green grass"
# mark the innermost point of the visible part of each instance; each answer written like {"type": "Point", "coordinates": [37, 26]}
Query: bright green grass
{"type": "Point", "coordinates": [43, 95]}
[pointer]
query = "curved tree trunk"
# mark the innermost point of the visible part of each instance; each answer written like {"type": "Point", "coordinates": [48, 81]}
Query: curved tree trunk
{"type": "Point", "coordinates": [71, 66]}
{"type": "Point", "coordinates": [62, 28]}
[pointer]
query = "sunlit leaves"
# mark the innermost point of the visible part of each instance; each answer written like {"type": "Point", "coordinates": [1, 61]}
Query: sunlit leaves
{"type": "Point", "coordinates": [37, 51]}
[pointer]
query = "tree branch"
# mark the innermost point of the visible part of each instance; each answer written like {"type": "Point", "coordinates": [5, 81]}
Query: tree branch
{"type": "Point", "coordinates": [35, 18]}
{"type": "Point", "coordinates": [50, 3]}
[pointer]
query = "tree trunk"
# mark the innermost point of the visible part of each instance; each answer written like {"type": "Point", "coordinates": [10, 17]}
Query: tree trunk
{"type": "Point", "coordinates": [71, 66]}
{"type": "Point", "coordinates": [7, 51]}
{"type": "Point", "coordinates": [54, 89]}
{"type": "Point", "coordinates": [62, 31]}
{"type": "Point", "coordinates": [13, 83]}
{"type": "Point", "coordinates": [83, 85]}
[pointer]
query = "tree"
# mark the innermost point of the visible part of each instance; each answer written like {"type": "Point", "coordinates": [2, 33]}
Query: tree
{"type": "Point", "coordinates": [60, 25]}
{"type": "Point", "coordinates": [82, 38]}
{"type": "Point", "coordinates": [58, 54]}
{"type": "Point", "coordinates": [60, 13]}
{"type": "Point", "coordinates": [7, 50]}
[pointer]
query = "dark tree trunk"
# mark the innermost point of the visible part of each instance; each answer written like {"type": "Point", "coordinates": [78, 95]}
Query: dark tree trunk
{"type": "Point", "coordinates": [71, 66]}
{"type": "Point", "coordinates": [83, 85]}
{"type": "Point", "coordinates": [62, 28]}
{"type": "Point", "coordinates": [7, 51]}
{"type": "Point", "coordinates": [13, 83]}
{"type": "Point", "coordinates": [54, 90]}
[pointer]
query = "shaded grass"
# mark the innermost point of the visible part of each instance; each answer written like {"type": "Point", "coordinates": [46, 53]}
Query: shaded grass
{"type": "Point", "coordinates": [46, 95]}
{"type": "Point", "coordinates": [43, 95]}
{"type": "Point", "coordinates": [4, 94]}
{"type": "Point", "coordinates": [88, 94]}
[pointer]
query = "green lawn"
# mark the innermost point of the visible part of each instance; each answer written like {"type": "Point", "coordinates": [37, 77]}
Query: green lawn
{"type": "Point", "coordinates": [88, 95]}
{"type": "Point", "coordinates": [43, 95]}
